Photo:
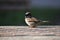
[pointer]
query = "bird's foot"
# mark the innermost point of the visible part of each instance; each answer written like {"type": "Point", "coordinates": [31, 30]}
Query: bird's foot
{"type": "Point", "coordinates": [32, 26]}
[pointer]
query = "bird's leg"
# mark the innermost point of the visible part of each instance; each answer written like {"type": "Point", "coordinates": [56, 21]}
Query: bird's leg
{"type": "Point", "coordinates": [32, 26]}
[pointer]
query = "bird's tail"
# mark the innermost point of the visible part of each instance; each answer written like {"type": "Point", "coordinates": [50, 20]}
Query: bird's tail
{"type": "Point", "coordinates": [45, 21]}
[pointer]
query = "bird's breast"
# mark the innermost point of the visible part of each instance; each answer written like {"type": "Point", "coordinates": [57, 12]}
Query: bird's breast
{"type": "Point", "coordinates": [29, 21]}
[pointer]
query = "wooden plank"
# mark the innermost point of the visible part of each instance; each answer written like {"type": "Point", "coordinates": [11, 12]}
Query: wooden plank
{"type": "Point", "coordinates": [7, 31]}
{"type": "Point", "coordinates": [31, 38]}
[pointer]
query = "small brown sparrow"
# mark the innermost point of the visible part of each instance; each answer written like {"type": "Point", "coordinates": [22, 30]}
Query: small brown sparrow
{"type": "Point", "coordinates": [32, 21]}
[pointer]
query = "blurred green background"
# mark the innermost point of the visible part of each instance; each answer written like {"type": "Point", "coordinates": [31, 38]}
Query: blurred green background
{"type": "Point", "coordinates": [11, 14]}
{"type": "Point", "coordinates": [8, 17]}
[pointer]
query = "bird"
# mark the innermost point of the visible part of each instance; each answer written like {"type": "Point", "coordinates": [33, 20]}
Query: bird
{"type": "Point", "coordinates": [31, 21]}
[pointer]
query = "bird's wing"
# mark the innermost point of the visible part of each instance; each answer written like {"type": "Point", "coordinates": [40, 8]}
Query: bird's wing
{"type": "Point", "coordinates": [34, 20]}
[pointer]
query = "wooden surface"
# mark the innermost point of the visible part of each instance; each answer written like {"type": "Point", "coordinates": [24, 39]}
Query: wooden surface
{"type": "Point", "coordinates": [25, 33]}
{"type": "Point", "coordinates": [9, 31]}
{"type": "Point", "coordinates": [31, 38]}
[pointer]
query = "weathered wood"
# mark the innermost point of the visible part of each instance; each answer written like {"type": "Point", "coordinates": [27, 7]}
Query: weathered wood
{"type": "Point", "coordinates": [9, 31]}
{"type": "Point", "coordinates": [31, 38]}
